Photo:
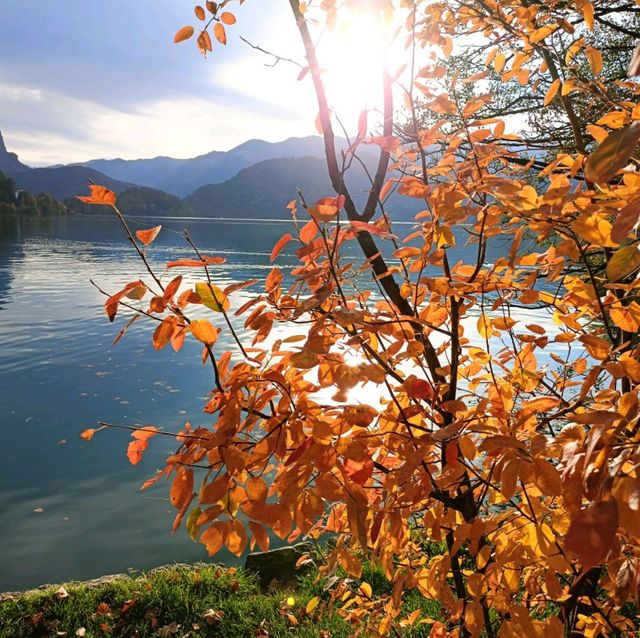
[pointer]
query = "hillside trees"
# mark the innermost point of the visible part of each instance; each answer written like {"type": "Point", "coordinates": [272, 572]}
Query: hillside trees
{"type": "Point", "coordinates": [491, 408]}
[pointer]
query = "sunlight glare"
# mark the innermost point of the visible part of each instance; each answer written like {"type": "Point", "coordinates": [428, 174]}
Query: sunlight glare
{"type": "Point", "coordinates": [353, 56]}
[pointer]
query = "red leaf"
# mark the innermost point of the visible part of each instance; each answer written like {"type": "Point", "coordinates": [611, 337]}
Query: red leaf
{"type": "Point", "coordinates": [359, 471]}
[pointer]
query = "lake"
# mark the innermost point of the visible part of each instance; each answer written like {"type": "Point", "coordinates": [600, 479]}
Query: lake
{"type": "Point", "coordinates": [72, 509]}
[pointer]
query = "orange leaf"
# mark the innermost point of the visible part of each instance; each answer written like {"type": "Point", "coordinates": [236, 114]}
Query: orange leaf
{"type": "Point", "coordinates": [87, 435]}
{"type": "Point", "coordinates": [236, 540]}
{"type": "Point", "coordinates": [98, 195]}
{"type": "Point", "coordinates": [204, 42]}
{"type": "Point", "coordinates": [196, 263]}
{"type": "Point", "coordinates": [213, 537]}
{"type": "Point", "coordinates": [281, 243]}
{"type": "Point", "coordinates": [260, 535]}
{"type": "Point", "coordinates": [551, 93]}
{"type": "Point", "coordinates": [111, 304]}
{"type": "Point", "coordinates": [164, 332]}
{"type": "Point", "coordinates": [547, 478]}
{"type": "Point", "coordinates": [220, 33]}
{"type": "Point", "coordinates": [136, 448]}
{"type": "Point", "coordinates": [183, 34]}
{"type": "Point", "coordinates": [181, 487]}
{"type": "Point", "coordinates": [308, 231]}
{"type": "Point", "coordinates": [227, 17]}
{"type": "Point", "coordinates": [148, 235]}
{"type": "Point", "coordinates": [199, 11]}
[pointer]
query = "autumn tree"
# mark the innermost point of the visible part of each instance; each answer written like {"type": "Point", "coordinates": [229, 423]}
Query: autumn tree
{"type": "Point", "coordinates": [502, 420]}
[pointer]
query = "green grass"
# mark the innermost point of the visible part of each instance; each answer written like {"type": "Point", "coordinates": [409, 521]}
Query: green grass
{"type": "Point", "coordinates": [148, 606]}
{"type": "Point", "coordinates": [155, 604]}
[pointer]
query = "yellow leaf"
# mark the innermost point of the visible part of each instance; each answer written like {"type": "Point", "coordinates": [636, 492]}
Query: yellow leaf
{"type": "Point", "coordinates": [484, 327]}
{"type": "Point", "coordinates": [540, 34]}
{"type": "Point", "coordinates": [595, 229]}
{"type": "Point", "coordinates": [312, 604]}
{"type": "Point", "coordinates": [498, 62]}
{"type": "Point", "coordinates": [203, 331]}
{"type": "Point", "coordinates": [627, 318]}
{"type": "Point", "coordinates": [365, 588]}
{"type": "Point", "coordinates": [212, 297]}
{"type": "Point", "coordinates": [623, 262]}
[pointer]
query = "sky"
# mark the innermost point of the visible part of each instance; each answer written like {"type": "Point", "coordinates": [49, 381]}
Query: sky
{"type": "Point", "coordinates": [84, 79]}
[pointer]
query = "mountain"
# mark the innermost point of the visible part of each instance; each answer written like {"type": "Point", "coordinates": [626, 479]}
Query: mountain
{"type": "Point", "coordinates": [9, 162]}
{"type": "Point", "coordinates": [139, 201]}
{"type": "Point", "coordinates": [183, 176]}
{"type": "Point", "coordinates": [264, 190]}
{"type": "Point", "coordinates": [63, 182]}
{"type": "Point", "coordinates": [59, 181]}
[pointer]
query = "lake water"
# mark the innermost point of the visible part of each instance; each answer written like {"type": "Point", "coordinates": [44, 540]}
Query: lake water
{"type": "Point", "coordinates": [60, 374]}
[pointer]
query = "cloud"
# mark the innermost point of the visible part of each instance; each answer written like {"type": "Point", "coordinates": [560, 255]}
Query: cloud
{"type": "Point", "coordinates": [80, 80]}
{"type": "Point", "coordinates": [45, 127]}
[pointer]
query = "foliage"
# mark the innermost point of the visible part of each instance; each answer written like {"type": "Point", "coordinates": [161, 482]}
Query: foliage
{"type": "Point", "coordinates": [413, 400]}
{"type": "Point", "coordinates": [520, 90]}
{"type": "Point", "coordinates": [7, 190]}
{"type": "Point", "coordinates": [14, 201]}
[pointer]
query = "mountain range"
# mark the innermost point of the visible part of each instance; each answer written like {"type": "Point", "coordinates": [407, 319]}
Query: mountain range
{"type": "Point", "coordinates": [254, 179]}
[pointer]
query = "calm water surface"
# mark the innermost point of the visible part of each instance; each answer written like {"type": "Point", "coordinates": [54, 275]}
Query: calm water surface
{"type": "Point", "coordinates": [60, 374]}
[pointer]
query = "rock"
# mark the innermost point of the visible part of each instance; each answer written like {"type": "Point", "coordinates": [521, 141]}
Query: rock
{"type": "Point", "coordinates": [277, 567]}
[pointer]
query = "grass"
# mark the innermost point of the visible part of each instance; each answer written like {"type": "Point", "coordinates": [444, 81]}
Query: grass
{"type": "Point", "coordinates": [172, 602]}
{"type": "Point", "coordinates": [182, 601]}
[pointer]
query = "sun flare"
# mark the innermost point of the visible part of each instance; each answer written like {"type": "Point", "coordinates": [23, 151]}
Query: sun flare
{"type": "Point", "coordinates": [353, 56]}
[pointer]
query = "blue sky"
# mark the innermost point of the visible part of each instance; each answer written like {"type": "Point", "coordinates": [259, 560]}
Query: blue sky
{"type": "Point", "coordinates": [102, 78]}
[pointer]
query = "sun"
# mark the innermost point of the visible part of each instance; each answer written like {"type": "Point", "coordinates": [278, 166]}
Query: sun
{"type": "Point", "coordinates": [352, 57]}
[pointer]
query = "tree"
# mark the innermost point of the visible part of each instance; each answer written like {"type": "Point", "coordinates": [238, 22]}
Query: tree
{"type": "Point", "coordinates": [511, 444]}
{"type": "Point", "coordinates": [7, 190]}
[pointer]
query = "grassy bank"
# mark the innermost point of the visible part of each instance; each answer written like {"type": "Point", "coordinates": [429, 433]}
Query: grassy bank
{"type": "Point", "coordinates": [177, 601]}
